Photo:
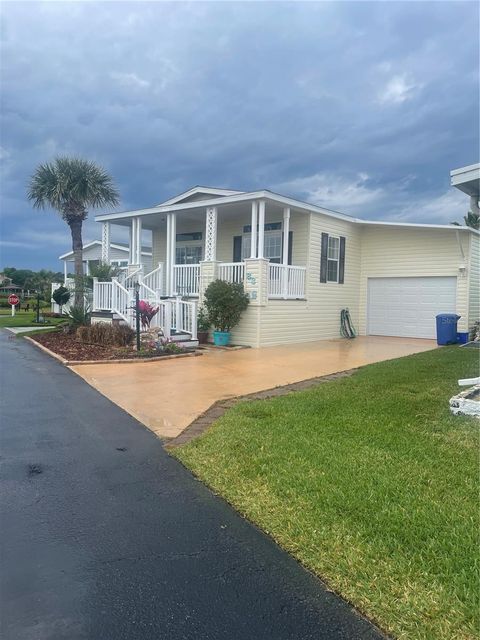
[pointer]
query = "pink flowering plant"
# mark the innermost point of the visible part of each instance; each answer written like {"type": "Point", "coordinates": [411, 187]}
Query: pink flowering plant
{"type": "Point", "coordinates": [147, 313]}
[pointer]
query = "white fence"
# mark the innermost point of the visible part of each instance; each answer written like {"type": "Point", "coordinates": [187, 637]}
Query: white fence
{"type": "Point", "coordinates": [286, 281]}
{"type": "Point", "coordinates": [154, 279]}
{"type": "Point", "coordinates": [231, 271]}
{"type": "Point", "coordinates": [186, 279]}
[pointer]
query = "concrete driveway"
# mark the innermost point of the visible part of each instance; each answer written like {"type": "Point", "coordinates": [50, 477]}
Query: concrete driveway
{"type": "Point", "coordinates": [167, 396]}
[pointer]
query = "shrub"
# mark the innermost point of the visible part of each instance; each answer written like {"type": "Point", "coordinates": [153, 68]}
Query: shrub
{"type": "Point", "coordinates": [147, 313]}
{"type": "Point", "coordinates": [203, 321]}
{"type": "Point", "coordinates": [225, 302]}
{"type": "Point", "coordinates": [61, 296]}
{"type": "Point", "coordinates": [79, 316]}
{"type": "Point", "coordinates": [106, 335]}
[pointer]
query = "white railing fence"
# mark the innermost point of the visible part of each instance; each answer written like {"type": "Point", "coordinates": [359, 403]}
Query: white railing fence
{"type": "Point", "coordinates": [128, 280]}
{"type": "Point", "coordinates": [186, 278]}
{"type": "Point", "coordinates": [231, 271]}
{"type": "Point", "coordinates": [154, 279]}
{"type": "Point", "coordinates": [184, 317]}
{"type": "Point", "coordinates": [286, 281]}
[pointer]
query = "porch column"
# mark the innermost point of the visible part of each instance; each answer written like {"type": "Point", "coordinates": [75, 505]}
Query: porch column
{"type": "Point", "coordinates": [261, 228]}
{"type": "Point", "coordinates": [168, 256]}
{"type": "Point", "coordinates": [65, 272]}
{"type": "Point", "coordinates": [138, 257]}
{"type": "Point", "coordinates": [173, 246]}
{"type": "Point", "coordinates": [211, 234]}
{"type": "Point", "coordinates": [106, 243]}
{"type": "Point", "coordinates": [253, 237]}
{"type": "Point", "coordinates": [87, 267]}
{"type": "Point", "coordinates": [131, 241]}
{"type": "Point", "coordinates": [286, 234]}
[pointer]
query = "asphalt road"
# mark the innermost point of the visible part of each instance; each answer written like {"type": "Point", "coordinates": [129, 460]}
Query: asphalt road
{"type": "Point", "coordinates": [105, 537]}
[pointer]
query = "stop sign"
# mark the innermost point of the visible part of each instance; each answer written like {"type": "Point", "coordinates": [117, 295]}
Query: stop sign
{"type": "Point", "coordinates": [13, 299]}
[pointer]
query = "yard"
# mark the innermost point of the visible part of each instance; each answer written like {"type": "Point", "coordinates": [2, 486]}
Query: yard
{"type": "Point", "coordinates": [23, 319]}
{"type": "Point", "coordinates": [370, 482]}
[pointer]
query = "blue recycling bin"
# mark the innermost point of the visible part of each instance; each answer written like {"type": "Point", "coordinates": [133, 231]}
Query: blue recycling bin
{"type": "Point", "coordinates": [447, 328]}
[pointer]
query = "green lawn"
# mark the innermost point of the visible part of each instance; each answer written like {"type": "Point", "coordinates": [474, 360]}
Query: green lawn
{"type": "Point", "coordinates": [23, 319]}
{"type": "Point", "coordinates": [370, 482]}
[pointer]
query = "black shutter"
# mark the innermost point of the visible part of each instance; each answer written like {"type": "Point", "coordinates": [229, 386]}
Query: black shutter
{"type": "Point", "coordinates": [324, 258]}
{"type": "Point", "coordinates": [237, 248]}
{"type": "Point", "coordinates": [341, 264]}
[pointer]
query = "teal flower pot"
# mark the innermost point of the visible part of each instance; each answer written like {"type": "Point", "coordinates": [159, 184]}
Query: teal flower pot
{"type": "Point", "coordinates": [221, 338]}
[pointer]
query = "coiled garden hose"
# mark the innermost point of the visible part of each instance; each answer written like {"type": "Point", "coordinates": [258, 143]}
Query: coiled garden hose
{"type": "Point", "coordinates": [346, 325]}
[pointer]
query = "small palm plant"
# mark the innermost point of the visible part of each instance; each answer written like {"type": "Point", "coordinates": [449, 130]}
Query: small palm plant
{"type": "Point", "coordinates": [71, 185]}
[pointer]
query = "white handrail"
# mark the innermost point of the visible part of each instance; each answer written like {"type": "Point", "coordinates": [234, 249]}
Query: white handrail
{"type": "Point", "coordinates": [231, 271]}
{"type": "Point", "coordinates": [286, 281]}
{"type": "Point", "coordinates": [154, 279]}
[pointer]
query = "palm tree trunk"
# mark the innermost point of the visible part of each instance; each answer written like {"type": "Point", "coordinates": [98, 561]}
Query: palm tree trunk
{"type": "Point", "coordinates": [77, 246]}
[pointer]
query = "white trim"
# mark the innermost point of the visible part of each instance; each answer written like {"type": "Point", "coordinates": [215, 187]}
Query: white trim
{"type": "Point", "coordinates": [272, 197]}
{"type": "Point", "coordinates": [337, 260]}
{"type": "Point", "coordinates": [286, 234]}
{"type": "Point", "coordinates": [120, 247]}
{"type": "Point", "coordinates": [194, 190]}
{"type": "Point", "coordinates": [261, 229]}
{"type": "Point", "coordinates": [253, 240]}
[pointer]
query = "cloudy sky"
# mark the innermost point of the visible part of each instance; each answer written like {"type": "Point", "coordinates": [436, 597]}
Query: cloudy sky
{"type": "Point", "coordinates": [360, 107]}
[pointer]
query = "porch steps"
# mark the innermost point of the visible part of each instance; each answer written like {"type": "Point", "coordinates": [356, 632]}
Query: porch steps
{"type": "Point", "coordinates": [184, 339]}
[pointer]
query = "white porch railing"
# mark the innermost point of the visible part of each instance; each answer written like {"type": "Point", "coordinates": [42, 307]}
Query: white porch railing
{"type": "Point", "coordinates": [231, 271]}
{"type": "Point", "coordinates": [121, 300]}
{"type": "Point", "coordinates": [184, 316]}
{"type": "Point", "coordinates": [186, 279]}
{"type": "Point", "coordinates": [286, 281]}
{"type": "Point", "coordinates": [154, 279]}
{"type": "Point", "coordinates": [128, 280]}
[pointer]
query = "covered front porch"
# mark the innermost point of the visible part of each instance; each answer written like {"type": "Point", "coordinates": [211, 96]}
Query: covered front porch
{"type": "Point", "coordinates": [261, 244]}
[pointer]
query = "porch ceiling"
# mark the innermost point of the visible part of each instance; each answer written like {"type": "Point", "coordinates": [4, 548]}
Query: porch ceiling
{"type": "Point", "coordinates": [194, 215]}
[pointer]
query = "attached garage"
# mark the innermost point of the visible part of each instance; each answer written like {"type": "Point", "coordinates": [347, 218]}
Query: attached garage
{"type": "Point", "coordinates": [406, 307]}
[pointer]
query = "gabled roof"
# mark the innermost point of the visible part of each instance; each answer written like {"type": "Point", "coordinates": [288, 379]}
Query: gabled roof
{"type": "Point", "coordinates": [209, 192]}
{"type": "Point", "coordinates": [146, 251]}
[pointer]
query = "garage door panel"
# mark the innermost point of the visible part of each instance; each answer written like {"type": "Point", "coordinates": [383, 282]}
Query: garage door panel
{"type": "Point", "coordinates": [407, 307]}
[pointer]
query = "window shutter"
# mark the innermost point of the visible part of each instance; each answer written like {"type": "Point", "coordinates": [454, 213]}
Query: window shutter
{"type": "Point", "coordinates": [237, 248]}
{"type": "Point", "coordinates": [324, 258]}
{"type": "Point", "coordinates": [341, 263]}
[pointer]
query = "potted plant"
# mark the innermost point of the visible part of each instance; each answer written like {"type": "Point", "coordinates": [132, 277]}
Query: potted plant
{"type": "Point", "coordinates": [203, 325]}
{"type": "Point", "coordinates": [225, 302]}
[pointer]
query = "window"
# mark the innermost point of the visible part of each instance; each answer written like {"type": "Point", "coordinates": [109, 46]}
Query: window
{"type": "Point", "coordinates": [119, 263]}
{"type": "Point", "coordinates": [272, 245]}
{"type": "Point", "coordinates": [185, 237]}
{"type": "Point", "coordinates": [333, 258]}
{"type": "Point", "coordinates": [188, 254]}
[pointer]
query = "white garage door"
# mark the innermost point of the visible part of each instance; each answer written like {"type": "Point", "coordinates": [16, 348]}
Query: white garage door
{"type": "Point", "coordinates": [408, 306]}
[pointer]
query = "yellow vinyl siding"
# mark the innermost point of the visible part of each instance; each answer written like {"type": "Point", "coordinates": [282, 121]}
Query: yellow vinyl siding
{"type": "Point", "coordinates": [317, 317]}
{"type": "Point", "coordinates": [397, 252]}
{"type": "Point", "coordinates": [474, 280]}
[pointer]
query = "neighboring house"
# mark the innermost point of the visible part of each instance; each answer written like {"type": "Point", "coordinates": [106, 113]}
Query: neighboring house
{"type": "Point", "coordinates": [300, 265]}
{"type": "Point", "coordinates": [118, 255]}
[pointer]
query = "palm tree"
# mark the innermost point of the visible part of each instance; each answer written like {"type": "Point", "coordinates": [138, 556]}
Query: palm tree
{"type": "Point", "coordinates": [71, 185]}
{"type": "Point", "coordinates": [470, 220]}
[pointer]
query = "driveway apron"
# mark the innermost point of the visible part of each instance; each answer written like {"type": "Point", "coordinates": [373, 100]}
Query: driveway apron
{"type": "Point", "coordinates": [105, 537]}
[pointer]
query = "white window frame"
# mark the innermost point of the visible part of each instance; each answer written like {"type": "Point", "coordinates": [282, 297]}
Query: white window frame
{"type": "Point", "coordinates": [337, 259]}
{"type": "Point", "coordinates": [118, 261]}
{"type": "Point", "coordinates": [189, 245]}
{"type": "Point", "coordinates": [248, 236]}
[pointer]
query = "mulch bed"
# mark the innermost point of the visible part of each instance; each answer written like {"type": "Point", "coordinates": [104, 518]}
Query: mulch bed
{"type": "Point", "coordinates": [66, 346]}
{"type": "Point", "coordinates": [70, 349]}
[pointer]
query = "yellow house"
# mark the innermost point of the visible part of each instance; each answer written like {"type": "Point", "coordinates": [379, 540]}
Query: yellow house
{"type": "Point", "coordinates": [299, 263]}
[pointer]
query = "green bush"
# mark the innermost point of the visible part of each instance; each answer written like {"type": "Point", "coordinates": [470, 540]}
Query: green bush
{"type": "Point", "coordinates": [79, 316]}
{"type": "Point", "coordinates": [225, 302]}
{"type": "Point", "coordinates": [106, 335]}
